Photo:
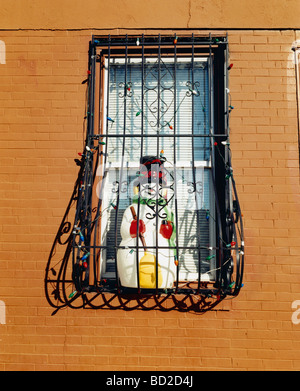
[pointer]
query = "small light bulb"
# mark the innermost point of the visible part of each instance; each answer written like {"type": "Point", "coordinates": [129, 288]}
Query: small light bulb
{"type": "Point", "coordinates": [210, 257]}
{"type": "Point", "coordinates": [72, 294]}
{"type": "Point", "coordinates": [176, 260]}
{"type": "Point", "coordinates": [85, 256]}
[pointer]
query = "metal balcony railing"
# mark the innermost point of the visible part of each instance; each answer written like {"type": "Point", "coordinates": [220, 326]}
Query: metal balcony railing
{"type": "Point", "coordinates": [154, 211]}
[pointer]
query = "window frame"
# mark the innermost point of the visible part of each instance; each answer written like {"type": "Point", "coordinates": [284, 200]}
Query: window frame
{"type": "Point", "coordinates": [219, 101]}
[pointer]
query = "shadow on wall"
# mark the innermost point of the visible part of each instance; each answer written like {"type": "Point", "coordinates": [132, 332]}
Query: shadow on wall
{"type": "Point", "coordinates": [59, 285]}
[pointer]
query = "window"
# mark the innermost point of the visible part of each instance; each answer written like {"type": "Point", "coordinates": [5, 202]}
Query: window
{"type": "Point", "coordinates": [157, 209]}
{"type": "Point", "coordinates": [167, 106]}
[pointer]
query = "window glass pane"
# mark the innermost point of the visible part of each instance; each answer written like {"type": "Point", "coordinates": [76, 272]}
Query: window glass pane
{"type": "Point", "coordinates": [170, 102]}
{"type": "Point", "coordinates": [151, 110]}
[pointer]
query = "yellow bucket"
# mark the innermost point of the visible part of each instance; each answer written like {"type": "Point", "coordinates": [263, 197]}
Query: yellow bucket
{"type": "Point", "coordinates": [147, 272]}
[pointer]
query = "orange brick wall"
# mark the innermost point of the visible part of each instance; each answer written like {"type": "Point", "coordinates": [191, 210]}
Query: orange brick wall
{"type": "Point", "coordinates": [41, 130]}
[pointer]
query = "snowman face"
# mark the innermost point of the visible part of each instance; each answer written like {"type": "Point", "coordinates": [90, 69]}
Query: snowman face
{"type": "Point", "coordinates": [151, 190]}
{"type": "Point", "coordinates": [151, 182]}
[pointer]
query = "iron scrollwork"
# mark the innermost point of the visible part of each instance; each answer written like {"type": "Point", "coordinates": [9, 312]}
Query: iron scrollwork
{"type": "Point", "coordinates": [63, 230]}
{"type": "Point", "coordinates": [159, 81]}
{"type": "Point", "coordinates": [126, 89]}
{"type": "Point", "coordinates": [196, 187]}
{"type": "Point", "coordinates": [120, 187]}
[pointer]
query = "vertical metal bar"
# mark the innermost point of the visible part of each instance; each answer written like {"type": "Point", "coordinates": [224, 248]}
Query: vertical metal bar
{"type": "Point", "coordinates": [100, 193]}
{"type": "Point", "coordinates": [106, 131]}
{"type": "Point", "coordinates": [230, 231]}
{"type": "Point", "coordinates": [228, 183]}
{"type": "Point", "coordinates": [213, 167]}
{"type": "Point", "coordinates": [103, 182]}
{"type": "Point", "coordinates": [106, 126]}
{"type": "Point", "coordinates": [122, 164]}
{"type": "Point", "coordinates": [204, 110]}
{"type": "Point", "coordinates": [226, 89]}
{"type": "Point", "coordinates": [141, 155]}
{"type": "Point", "coordinates": [193, 168]}
{"type": "Point", "coordinates": [92, 68]}
{"type": "Point", "coordinates": [212, 173]}
{"type": "Point", "coordinates": [96, 255]}
{"type": "Point", "coordinates": [212, 186]}
{"type": "Point", "coordinates": [157, 153]}
{"type": "Point", "coordinates": [176, 260]}
{"type": "Point", "coordinates": [107, 86]}
{"type": "Point", "coordinates": [88, 183]}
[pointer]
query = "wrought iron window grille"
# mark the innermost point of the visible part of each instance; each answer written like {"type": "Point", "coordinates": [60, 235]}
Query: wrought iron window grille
{"type": "Point", "coordinates": [155, 205]}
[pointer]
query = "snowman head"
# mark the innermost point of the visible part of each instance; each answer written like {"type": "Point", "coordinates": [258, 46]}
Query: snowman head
{"type": "Point", "coordinates": [151, 182]}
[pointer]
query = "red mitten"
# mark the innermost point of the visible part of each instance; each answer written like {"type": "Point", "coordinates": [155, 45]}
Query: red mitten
{"type": "Point", "coordinates": [166, 229]}
{"type": "Point", "coordinates": [133, 228]}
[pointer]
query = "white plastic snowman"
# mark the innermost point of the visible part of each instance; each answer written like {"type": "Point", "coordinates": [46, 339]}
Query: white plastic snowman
{"type": "Point", "coordinates": [147, 201]}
